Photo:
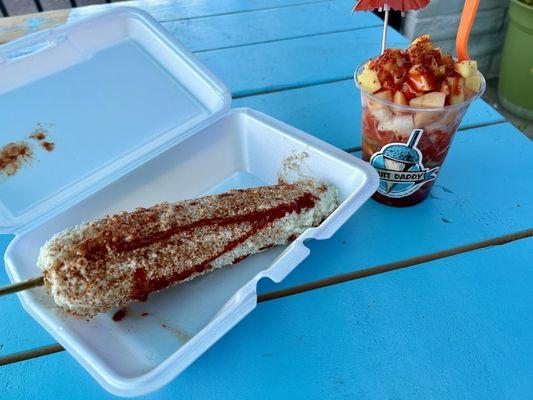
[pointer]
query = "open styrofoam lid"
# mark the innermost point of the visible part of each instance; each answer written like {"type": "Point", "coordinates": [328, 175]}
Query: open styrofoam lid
{"type": "Point", "coordinates": [109, 93]}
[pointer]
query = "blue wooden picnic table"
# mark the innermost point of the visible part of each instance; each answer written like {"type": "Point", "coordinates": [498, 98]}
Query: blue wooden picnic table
{"type": "Point", "coordinates": [454, 322]}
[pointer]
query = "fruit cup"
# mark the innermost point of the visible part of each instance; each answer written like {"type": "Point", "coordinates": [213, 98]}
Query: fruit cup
{"type": "Point", "coordinates": [407, 144]}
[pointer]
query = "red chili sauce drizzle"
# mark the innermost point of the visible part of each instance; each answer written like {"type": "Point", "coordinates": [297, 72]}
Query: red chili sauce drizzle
{"type": "Point", "coordinates": [142, 286]}
{"type": "Point", "coordinates": [395, 72]}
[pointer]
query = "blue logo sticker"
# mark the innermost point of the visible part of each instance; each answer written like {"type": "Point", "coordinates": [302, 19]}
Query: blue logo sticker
{"type": "Point", "coordinates": [400, 167]}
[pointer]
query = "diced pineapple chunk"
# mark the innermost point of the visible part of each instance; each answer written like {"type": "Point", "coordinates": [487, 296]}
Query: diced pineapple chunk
{"type": "Point", "coordinates": [473, 83]}
{"type": "Point", "coordinates": [421, 39]}
{"type": "Point", "coordinates": [466, 68]}
{"type": "Point", "coordinates": [429, 100]}
{"type": "Point", "coordinates": [369, 81]}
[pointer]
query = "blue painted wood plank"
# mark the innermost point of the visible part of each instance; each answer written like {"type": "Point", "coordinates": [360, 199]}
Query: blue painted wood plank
{"type": "Point", "coordinates": [18, 330]}
{"type": "Point", "coordinates": [450, 329]}
{"type": "Point", "coordinates": [332, 111]}
{"type": "Point", "coordinates": [298, 62]}
{"type": "Point", "coordinates": [460, 212]}
{"type": "Point", "coordinates": [162, 10]}
{"type": "Point", "coordinates": [238, 29]}
{"type": "Point", "coordinates": [475, 198]}
{"type": "Point", "coordinates": [171, 10]}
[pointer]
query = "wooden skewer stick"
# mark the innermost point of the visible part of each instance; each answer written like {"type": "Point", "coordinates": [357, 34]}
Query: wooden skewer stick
{"type": "Point", "coordinates": [29, 354]}
{"type": "Point", "coordinates": [19, 286]}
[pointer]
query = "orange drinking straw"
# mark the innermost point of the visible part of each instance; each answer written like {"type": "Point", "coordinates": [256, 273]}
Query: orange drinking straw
{"type": "Point", "coordinates": [463, 32]}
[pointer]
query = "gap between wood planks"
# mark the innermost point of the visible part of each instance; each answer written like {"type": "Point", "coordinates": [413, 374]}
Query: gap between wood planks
{"type": "Point", "coordinates": [321, 283]}
{"type": "Point", "coordinates": [249, 10]}
{"type": "Point", "coordinates": [60, 16]}
{"type": "Point", "coordinates": [308, 35]}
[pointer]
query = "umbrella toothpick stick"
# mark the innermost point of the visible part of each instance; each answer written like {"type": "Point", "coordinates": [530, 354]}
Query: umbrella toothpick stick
{"type": "Point", "coordinates": [386, 8]}
{"type": "Point", "coordinates": [387, 5]}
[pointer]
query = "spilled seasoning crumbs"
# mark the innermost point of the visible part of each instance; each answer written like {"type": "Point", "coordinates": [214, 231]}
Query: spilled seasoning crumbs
{"type": "Point", "coordinates": [13, 156]}
{"type": "Point", "coordinates": [48, 146]}
{"type": "Point", "coordinates": [39, 133]}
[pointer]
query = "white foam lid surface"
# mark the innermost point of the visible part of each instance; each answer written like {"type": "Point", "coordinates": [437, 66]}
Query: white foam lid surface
{"type": "Point", "coordinates": [109, 101]}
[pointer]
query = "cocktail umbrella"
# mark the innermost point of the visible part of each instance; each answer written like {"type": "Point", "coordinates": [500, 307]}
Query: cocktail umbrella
{"type": "Point", "coordinates": [387, 5]}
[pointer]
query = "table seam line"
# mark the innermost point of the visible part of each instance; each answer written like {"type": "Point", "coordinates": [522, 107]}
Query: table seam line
{"type": "Point", "coordinates": [396, 265]}
{"type": "Point", "coordinates": [161, 21]}
{"type": "Point", "coordinates": [309, 35]}
{"type": "Point", "coordinates": [45, 350]}
{"type": "Point", "coordinates": [52, 13]}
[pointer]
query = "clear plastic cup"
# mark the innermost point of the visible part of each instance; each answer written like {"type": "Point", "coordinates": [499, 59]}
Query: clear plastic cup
{"type": "Point", "coordinates": [407, 145]}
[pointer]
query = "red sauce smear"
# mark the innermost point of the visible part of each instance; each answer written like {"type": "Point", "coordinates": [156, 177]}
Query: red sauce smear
{"type": "Point", "coordinates": [239, 259]}
{"type": "Point", "coordinates": [120, 314]}
{"type": "Point", "coordinates": [142, 286]}
{"type": "Point", "coordinates": [97, 250]}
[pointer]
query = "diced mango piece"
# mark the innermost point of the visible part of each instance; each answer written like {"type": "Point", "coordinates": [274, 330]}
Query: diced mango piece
{"type": "Point", "coordinates": [423, 118]}
{"type": "Point", "coordinates": [402, 124]}
{"type": "Point", "coordinates": [420, 82]}
{"type": "Point", "coordinates": [473, 83]}
{"type": "Point", "coordinates": [429, 100]}
{"type": "Point", "coordinates": [382, 114]}
{"type": "Point", "coordinates": [399, 98]}
{"type": "Point", "coordinates": [384, 95]}
{"type": "Point", "coordinates": [368, 81]}
{"type": "Point", "coordinates": [445, 88]}
{"type": "Point", "coordinates": [466, 68]}
{"type": "Point", "coordinates": [456, 84]}
{"type": "Point", "coordinates": [457, 98]}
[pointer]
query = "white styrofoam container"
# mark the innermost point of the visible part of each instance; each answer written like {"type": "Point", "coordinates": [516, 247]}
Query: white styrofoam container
{"type": "Point", "coordinates": [138, 120]}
